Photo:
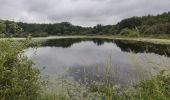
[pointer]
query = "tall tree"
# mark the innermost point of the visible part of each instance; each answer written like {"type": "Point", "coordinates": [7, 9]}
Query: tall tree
{"type": "Point", "coordinates": [14, 28]}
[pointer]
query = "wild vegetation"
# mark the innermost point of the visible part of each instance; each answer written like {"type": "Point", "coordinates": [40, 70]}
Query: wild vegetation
{"type": "Point", "coordinates": [152, 26]}
{"type": "Point", "coordinates": [67, 88]}
{"type": "Point", "coordinates": [19, 80]}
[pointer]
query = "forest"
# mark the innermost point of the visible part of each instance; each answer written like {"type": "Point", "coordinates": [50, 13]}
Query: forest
{"type": "Point", "coordinates": [132, 27]}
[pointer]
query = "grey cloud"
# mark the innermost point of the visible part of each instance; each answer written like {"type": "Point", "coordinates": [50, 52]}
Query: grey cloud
{"type": "Point", "coordinates": [79, 12]}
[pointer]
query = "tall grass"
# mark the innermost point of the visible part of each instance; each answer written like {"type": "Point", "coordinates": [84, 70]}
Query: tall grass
{"type": "Point", "coordinates": [153, 85]}
{"type": "Point", "coordinates": [156, 88]}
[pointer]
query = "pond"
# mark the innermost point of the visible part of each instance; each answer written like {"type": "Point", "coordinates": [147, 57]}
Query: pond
{"type": "Point", "coordinates": [121, 62]}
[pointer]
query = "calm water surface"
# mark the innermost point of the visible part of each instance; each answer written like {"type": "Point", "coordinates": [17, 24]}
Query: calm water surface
{"type": "Point", "coordinates": [121, 62]}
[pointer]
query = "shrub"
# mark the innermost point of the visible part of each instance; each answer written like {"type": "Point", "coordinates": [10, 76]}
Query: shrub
{"type": "Point", "coordinates": [39, 34]}
{"type": "Point", "coordinates": [158, 29]}
{"type": "Point", "coordinates": [129, 32]}
{"type": "Point", "coordinates": [18, 80]}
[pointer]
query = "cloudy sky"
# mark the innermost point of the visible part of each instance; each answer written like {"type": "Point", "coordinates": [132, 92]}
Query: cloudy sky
{"type": "Point", "coordinates": [79, 12]}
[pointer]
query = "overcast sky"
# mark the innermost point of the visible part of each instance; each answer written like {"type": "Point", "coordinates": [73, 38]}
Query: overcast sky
{"type": "Point", "coordinates": [79, 12]}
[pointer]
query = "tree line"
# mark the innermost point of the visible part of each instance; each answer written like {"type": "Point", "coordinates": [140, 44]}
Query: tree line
{"type": "Point", "coordinates": [134, 26]}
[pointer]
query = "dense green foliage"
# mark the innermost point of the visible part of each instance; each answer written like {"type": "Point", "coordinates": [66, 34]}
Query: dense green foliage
{"type": "Point", "coordinates": [138, 26]}
{"type": "Point", "coordinates": [18, 79]}
{"type": "Point", "coordinates": [159, 24]}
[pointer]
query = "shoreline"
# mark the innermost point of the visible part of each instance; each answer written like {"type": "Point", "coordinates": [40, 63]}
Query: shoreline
{"type": "Point", "coordinates": [150, 40]}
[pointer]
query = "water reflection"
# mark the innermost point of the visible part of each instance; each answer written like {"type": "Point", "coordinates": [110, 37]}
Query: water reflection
{"type": "Point", "coordinates": [97, 59]}
{"type": "Point", "coordinates": [66, 43]}
{"type": "Point", "coordinates": [125, 45]}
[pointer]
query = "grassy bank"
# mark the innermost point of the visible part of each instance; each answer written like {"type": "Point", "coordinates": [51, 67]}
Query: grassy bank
{"type": "Point", "coordinates": [141, 39]}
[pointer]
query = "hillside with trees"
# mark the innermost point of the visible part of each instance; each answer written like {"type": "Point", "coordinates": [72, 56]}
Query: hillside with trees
{"type": "Point", "coordinates": [133, 27]}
